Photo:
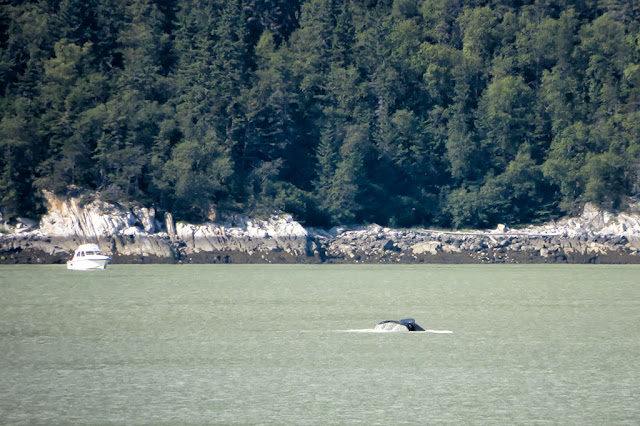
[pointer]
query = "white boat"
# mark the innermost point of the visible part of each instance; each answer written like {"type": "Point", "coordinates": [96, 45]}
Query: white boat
{"type": "Point", "coordinates": [87, 257]}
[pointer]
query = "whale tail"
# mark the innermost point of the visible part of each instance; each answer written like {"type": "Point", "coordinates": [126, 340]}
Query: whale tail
{"type": "Point", "coordinates": [393, 325]}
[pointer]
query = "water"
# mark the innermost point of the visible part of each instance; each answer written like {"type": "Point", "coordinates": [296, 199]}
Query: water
{"type": "Point", "coordinates": [260, 344]}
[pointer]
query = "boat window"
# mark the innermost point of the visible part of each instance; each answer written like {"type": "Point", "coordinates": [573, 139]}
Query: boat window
{"type": "Point", "coordinates": [89, 253]}
{"type": "Point", "coordinates": [81, 253]}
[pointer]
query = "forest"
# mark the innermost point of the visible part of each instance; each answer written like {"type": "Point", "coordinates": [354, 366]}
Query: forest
{"type": "Point", "coordinates": [439, 113]}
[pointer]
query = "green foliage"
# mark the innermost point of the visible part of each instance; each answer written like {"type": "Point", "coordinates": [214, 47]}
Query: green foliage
{"type": "Point", "coordinates": [198, 171]}
{"type": "Point", "coordinates": [18, 150]}
{"type": "Point", "coordinates": [605, 180]}
{"type": "Point", "coordinates": [400, 112]}
{"type": "Point", "coordinates": [504, 120]}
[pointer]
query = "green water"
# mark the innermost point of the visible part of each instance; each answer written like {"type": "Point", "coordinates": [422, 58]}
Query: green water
{"type": "Point", "coordinates": [256, 344]}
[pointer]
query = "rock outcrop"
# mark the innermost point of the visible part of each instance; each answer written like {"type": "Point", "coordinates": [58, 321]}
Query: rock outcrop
{"type": "Point", "coordinates": [595, 236]}
{"type": "Point", "coordinates": [134, 234]}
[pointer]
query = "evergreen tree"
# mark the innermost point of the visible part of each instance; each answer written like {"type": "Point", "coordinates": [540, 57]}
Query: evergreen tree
{"type": "Point", "coordinates": [70, 90]}
{"type": "Point", "coordinates": [210, 78]}
{"type": "Point", "coordinates": [401, 112]}
{"type": "Point", "coordinates": [504, 120]}
{"type": "Point", "coordinates": [18, 152]}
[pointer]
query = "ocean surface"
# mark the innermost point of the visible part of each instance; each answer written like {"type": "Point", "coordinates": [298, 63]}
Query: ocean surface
{"type": "Point", "coordinates": [289, 344]}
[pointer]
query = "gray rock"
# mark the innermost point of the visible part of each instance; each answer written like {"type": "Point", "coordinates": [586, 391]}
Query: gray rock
{"type": "Point", "coordinates": [133, 232]}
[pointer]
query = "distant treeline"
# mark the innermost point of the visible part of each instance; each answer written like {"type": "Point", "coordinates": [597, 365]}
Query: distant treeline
{"type": "Point", "coordinates": [449, 113]}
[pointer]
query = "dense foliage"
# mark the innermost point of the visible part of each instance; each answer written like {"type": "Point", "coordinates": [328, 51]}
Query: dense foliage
{"type": "Point", "coordinates": [400, 112]}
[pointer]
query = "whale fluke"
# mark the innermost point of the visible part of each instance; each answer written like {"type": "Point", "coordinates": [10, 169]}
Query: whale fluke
{"type": "Point", "coordinates": [408, 323]}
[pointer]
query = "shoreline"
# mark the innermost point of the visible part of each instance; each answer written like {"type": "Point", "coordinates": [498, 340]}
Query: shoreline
{"type": "Point", "coordinates": [445, 248]}
{"type": "Point", "coordinates": [132, 234]}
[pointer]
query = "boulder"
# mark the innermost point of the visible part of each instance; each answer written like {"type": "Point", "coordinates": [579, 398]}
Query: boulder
{"type": "Point", "coordinates": [133, 231]}
{"type": "Point", "coordinates": [426, 247]}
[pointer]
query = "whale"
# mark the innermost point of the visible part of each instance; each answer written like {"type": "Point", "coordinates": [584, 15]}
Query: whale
{"type": "Point", "coordinates": [408, 323]}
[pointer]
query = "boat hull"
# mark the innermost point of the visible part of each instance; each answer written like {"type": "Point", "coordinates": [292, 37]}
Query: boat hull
{"type": "Point", "coordinates": [88, 264]}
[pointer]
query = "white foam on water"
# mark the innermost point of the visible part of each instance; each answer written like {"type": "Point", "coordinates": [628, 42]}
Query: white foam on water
{"type": "Point", "coordinates": [390, 327]}
{"type": "Point", "coordinates": [379, 330]}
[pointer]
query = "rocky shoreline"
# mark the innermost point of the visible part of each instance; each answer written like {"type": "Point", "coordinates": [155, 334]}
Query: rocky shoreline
{"type": "Point", "coordinates": [133, 234]}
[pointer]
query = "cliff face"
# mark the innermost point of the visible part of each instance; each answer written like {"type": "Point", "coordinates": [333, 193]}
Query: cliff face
{"type": "Point", "coordinates": [133, 234]}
